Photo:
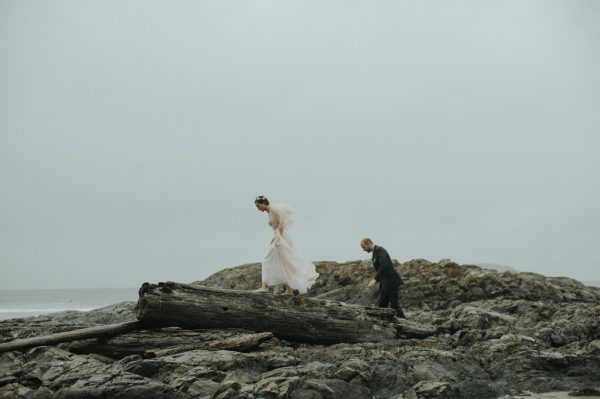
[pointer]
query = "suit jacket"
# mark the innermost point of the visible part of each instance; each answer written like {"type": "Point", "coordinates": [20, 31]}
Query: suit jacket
{"type": "Point", "coordinates": [386, 273]}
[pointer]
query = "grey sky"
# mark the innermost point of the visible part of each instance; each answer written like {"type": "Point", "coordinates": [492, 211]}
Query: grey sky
{"type": "Point", "coordinates": [134, 135]}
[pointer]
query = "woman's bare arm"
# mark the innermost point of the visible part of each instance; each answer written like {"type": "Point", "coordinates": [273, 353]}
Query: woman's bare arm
{"type": "Point", "coordinates": [276, 224]}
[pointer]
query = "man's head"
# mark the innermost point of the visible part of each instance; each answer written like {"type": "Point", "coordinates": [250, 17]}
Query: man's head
{"type": "Point", "coordinates": [366, 244]}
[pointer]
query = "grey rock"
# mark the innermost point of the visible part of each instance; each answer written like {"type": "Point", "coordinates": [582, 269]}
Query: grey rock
{"type": "Point", "coordinates": [14, 390]}
{"type": "Point", "coordinates": [331, 389]}
{"type": "Point", "coordinates": [354, 368]}
{"type": "Point", "coordinates": [593, 391]}
{"type": "Point", "coordinates": [278, 387]}
{"type": "Point", "coordinates": [434, 389]}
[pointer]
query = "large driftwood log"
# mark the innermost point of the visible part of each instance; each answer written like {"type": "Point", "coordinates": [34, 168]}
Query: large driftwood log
{"type": "Point", "coordinates": [295, 318]}
{"type": "Point", "coordinates": [85, 333]}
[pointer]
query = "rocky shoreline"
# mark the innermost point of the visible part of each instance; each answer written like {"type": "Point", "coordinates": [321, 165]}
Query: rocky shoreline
{"type": "Point", "coordinates": [498, 334]}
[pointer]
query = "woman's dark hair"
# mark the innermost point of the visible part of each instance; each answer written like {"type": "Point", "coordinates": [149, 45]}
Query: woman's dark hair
{"type": "Point", "coordinates": [261, 199]}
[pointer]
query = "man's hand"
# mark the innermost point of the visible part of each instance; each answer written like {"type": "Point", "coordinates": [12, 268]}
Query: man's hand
{"type": "Point", "coordinates": [372, 283]}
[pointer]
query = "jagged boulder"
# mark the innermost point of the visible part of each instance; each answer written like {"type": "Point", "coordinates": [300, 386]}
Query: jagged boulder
{"type": "Point", "coordinates": [428, 285]}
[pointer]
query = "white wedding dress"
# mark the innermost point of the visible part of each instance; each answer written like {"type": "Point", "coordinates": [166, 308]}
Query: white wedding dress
{"type": "Point", "coordinates": [283, 264]}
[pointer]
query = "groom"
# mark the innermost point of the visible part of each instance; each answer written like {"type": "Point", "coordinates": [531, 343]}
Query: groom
{"type": "Point", "coordinates": [386, 275]}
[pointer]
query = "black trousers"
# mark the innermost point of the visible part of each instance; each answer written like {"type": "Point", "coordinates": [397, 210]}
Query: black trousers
{"type": "Point", "coordinates": [388, 295]}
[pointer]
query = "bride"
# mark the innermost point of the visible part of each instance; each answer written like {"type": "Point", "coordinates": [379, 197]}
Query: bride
{"type": "Point", "coordinates": [283, 264]}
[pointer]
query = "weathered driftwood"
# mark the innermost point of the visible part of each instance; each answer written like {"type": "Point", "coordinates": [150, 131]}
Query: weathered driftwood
{"type": "Point", "coordinates": [85, 333]}
{"type": "Point", "coordinates": [295, 318]}
{"type": "Point", "coordinates": [139, 341]}
{"type": "Point", "coordinates": [239, 344]}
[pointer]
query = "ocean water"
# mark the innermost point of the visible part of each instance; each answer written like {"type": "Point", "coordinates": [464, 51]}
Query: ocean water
{"type": "Point", "coordinates": [26, 303]}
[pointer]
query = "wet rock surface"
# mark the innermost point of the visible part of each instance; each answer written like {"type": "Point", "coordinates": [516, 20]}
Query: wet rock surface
{"type": "Point", "coordinates": [497, 334]}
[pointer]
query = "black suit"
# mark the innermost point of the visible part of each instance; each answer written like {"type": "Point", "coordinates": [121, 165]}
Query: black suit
{"type": "Point", "coordinates": [388, 278]}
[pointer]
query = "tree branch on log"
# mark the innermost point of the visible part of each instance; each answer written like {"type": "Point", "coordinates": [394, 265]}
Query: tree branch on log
{"type": "Point", "coordinates": [85, 333]}
{"type": "Point", "coordinates": [139, 341]}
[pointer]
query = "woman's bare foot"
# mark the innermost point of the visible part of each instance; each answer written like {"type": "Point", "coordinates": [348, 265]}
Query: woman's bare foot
{"type": "Point", "coordinates": [263, 288]}
{"type": "Point", "coordinates": [289, 290]}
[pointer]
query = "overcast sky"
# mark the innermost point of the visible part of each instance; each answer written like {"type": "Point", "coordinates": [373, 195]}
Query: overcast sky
{"type": "Point", "coordinates": [135, 135]}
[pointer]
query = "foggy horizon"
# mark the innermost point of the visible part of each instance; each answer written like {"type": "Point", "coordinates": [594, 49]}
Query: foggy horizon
{"type": "Point", "coordinates": [135, 136]}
